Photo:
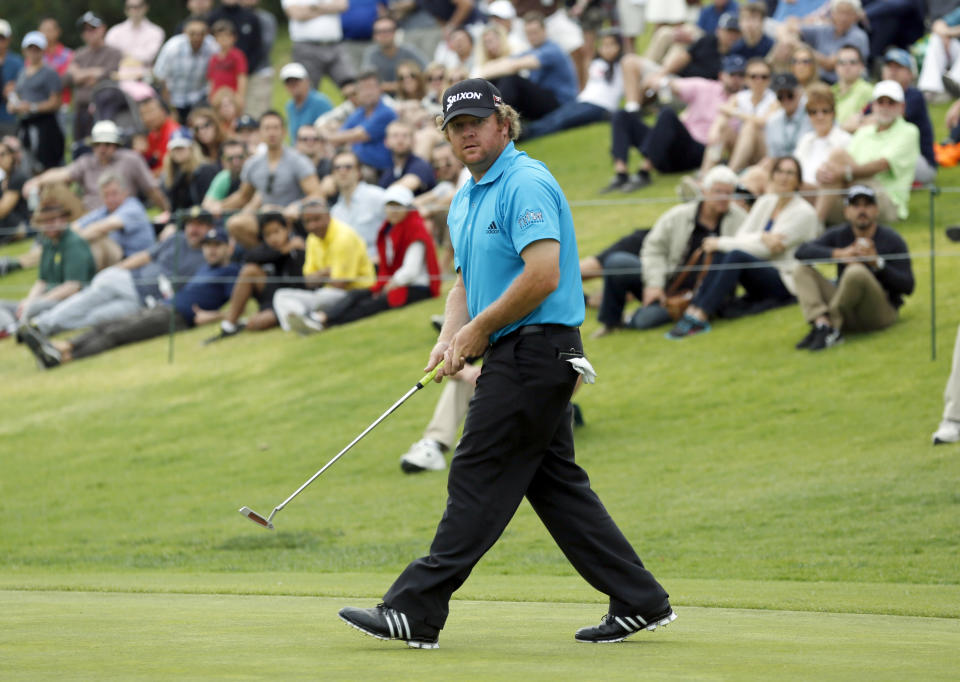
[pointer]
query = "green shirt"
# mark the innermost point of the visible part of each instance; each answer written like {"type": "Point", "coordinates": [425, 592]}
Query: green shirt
{"type": "Point", "coordinates": [68, 260]}
{"type": "Point", "coordinates": [219, 186]}
{"type": "Point", "coordinates": [856, 98]}
{"type": "Point", "coordinates": [900, 146]}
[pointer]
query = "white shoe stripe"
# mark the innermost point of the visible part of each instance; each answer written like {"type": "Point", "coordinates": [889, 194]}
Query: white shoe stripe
{"type": "Point", "coordinates": [632, 622]}
{"type": "Point", "coordinates": [622, 624]}
{"type": "Point", "coordinates": [389, 624]}
{"type": "Point", "coordinates": [406, 624]}
{"type": "Point", "coordinates": [641, 620]}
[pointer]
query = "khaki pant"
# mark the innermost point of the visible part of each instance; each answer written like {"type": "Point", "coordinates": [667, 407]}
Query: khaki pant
{"type": "Point", "coordinates": [951, 395]}
{"type": "Point", "coordinates": [857, 303]}
{"type": "Point", "coordinates": [449, 412]}
{"type": "Point", "coordinates": [259, 93]}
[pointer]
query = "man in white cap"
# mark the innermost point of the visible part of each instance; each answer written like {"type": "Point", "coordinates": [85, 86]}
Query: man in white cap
{"type": "Point", "coordinates": [93, 63]}
{"type": "Point", "coordinates": [305, 104]}
{"type": "Point", "coordinates": [882, 155]}
{"type": "Point", "coordinates": [317, 37]}
{"type": "Point", "coordinates": [11, 64]}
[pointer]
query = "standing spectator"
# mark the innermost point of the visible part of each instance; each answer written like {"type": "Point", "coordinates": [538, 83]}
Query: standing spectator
{"type": "Point", "coordinates": [869, 289]}
{"type": "Point", "coordinates": [38, 101]}
{"type": "Point", "coordinates": [249, 38]}
{"type": "Point", "coordinates": [305, 105]}
{"type": "Point", "coordinates": [181, 67]}
{"type": "Point", "coordinates": [359, 204]}
{"type": "Point", "coordinates": [14, 213]}
{"type": "Point", "coordinates": [366, 128]}
{"type": "Point", "coordinates": [160, 126]}
{"type": "Point", "coordinates": [196, 9]}
{"type": "Point", "coordinates": [318, 39]}
{"type": "Point", "coordinates": [260, 85]}
{"type": "Point", "coordinates": [385, 54]}
{"type": "Point", "coordinates": [406, 169]}
{"type": "Point", "coordinates": [92, 64]}
{"type": "Point", "coordinates": [57, 55]}
{"type": "Point", "coordinates": [137, 37]}
{"type": "Point", "coordinates": [356, 22]}
{"type": "Point", "coordinates": [10, 66]}
{"type": "Point", "coordinates": [852, 92]}
{"type": "Point", "coordinates": [228, 67]}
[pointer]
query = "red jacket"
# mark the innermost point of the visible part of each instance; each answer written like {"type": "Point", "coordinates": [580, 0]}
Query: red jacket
{"type": "Point", "coordinates": [392, 243]}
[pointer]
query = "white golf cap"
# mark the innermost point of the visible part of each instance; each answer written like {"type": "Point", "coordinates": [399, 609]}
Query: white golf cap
{"type": "Point", "coordinates": [5, 30]}
{"type": "Point", "coordinates": [502, 9]}
{"type": "Point", "coordinates": [398, 194]}
{"type": "Point", "coordinates": [105, 132]}
{"type": "Point", "coordinates": [891, 89]}
{"type": "Point", "coordinates": [293, 70]}
{"type": "Point", "coordinates": [34, 38]}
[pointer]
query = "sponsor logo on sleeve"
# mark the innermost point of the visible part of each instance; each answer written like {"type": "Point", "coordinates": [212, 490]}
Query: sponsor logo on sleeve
{"type": "Point", "coordinates": [529, 217]}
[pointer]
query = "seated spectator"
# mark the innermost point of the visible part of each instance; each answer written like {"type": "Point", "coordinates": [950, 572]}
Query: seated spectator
{"type": "Point", "coordinates": [207, 132]}
{"type": "Point", "coordinates": [181, 67]}
{"type": "Point", "coordinates": [502, 16]}
{"type": "Point", "coordinates": [227, 180]}
{"type": "Point", "coordinates": [36, 100]}
{"type": "Point", "coordinates": [747, 108]}
{"type": "Point", "coordinates": [14, 214]}
{"type": "Point", "coordinates": [279, 177]}
{"type": "Point", "coordinates": [456, 51]}
{"type": "Point", "coordinates": [366, 128]}
{"type": "Point", "coordinates": [120, 227]}
{"type": "Point", "coordinates": [317, 36]}
{"type": "Point", "coordinates": [671, 38]}
{"type": "Point", "coordinates": [408, 271]}
{"type": "Point", "coordinates": [869, 289]}
{"type": "Point", "coordinates": [803, 66]}
{"type": "Point", "coordinates": [814, 147]}
{"type": "Point", "coordinates": [411, 83]}
{"type": "Point", "coordinates": [311, 145]}
{"type": "Point", "coordinates": [135, 283]}
{"type": "Point", "coordinates": [598, 100]}
{"type": "Point", "coordinates": [94, 63]}
{"type": "Point", "coordinates": [646, 265]}
{"type": "Point", "coordinates": [406, 168]}
{"type": "Point", "coordinates": [137, 37]}
{"type": "Point", "coordinates": [825, 40]}
{"type": "Point", "coordinates": [385, 54]}
{"type": "Point", "coordinates": [276, 262]}
{"type": "Point", "coordinates": [941, 63]}
{"type": "Point", "coordinates": [228, 67]}
{"type": "Point", "coordinates": [882, 155]}
{"type": "Point", "coordinates": [160, 126]}
{"type": "Point", "coordinates": [193, 305]}
{"type": "Point", "coordinates": [228, 108]}
{"type": "Point", "coordinates": [753, 41]}
{"type": "Point", "coordinates": [776, 225]}
{"type": "Point", "coordinates": [675, 143]}
{"type": "Point", "coordinates": [900, 66]}
{"type": "Point", "coordinates": [434, 204]}
{"type": "Point", "coordinates": [66, 266]}
{"type": "Point", "coordinates": [359, 204]}
{"type": "Point", "coordinates": [703, 59]}
{"type": "Point", "coordinates": [334, 119]}
{"type": "Point", "coordinates": [336, 262]}
{"type": "Point", "coordinates": [852, 92]}
{"type": "Point", "coordinates": [305, 104]}
{"type": "Point", "coordinates": [182, 181]}
{"type": "Point", "coordinates": [248, 131]}
{"type": "Point", "coordinates": [552, 80]}
{"type": "Point", "coordinates": [435, 82]}
{"type": "Point", "coordinates": [493, 45]}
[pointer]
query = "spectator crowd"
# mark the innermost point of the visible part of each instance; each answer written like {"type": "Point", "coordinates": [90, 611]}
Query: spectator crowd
{"type": "Point", "coordinates": [163, 191]}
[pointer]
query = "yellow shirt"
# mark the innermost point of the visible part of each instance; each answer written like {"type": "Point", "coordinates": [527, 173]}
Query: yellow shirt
{"type": "Point", "coordinates": [344, 252]}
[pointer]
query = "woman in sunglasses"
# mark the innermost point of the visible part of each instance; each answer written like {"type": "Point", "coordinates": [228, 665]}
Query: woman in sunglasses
{"type": "Point", "coordinates": [814, 147]}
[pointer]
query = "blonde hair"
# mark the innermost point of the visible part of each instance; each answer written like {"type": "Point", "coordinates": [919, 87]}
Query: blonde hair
{"type": "Point", "coordinates": [503, 112]}
{"type": "Point", "coordinates": [188, 167]}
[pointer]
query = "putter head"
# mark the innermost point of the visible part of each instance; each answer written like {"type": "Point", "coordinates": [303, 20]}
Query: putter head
{"type": "Point", "coordinates": [256, 518]}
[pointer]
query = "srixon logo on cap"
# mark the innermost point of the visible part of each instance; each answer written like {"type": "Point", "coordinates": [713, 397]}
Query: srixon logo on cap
{"type": "Point", "coordinates": [453, 99]}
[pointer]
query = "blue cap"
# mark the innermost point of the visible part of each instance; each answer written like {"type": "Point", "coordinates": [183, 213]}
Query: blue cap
{"type": "Point", "coordinates": [728, 21]}
{"type": "Point", "coordinates": [181, 137]}
{"type": "Point", "coordinates": [216, 234]}
{"type": "Point", "coordinates": [900, 56]}
{"type": "Point", "coordinates": [734, 63]}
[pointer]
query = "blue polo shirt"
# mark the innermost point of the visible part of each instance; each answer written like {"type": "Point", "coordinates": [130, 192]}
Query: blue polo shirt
{"type": "Point", "coordinates": [313, 106]}
{"type": "Point", "coordinates": [372, 152]}
{"type": "Point", "coordinates": [137, 233]}
{"type": "Point", "coordinates": [9, 72]}
{"type": "Point", "coordinates": [556, 71]}
{"type": "Point", "coordinates": [516, 203]}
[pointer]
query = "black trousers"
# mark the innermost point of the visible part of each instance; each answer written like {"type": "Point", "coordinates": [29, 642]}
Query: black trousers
{"type": "Point", "coordinates": [41, 134]}
{"type": "Point", "coordinates": [518, 441]}
{"type": "Point", "coordinates": [529, 99]}
{"type": "Point", "coordinates": [140, 326]}
{"type": "Point", "coordinates": [360, 303]}
{"type": "Point", "coordinates": [668, 145]}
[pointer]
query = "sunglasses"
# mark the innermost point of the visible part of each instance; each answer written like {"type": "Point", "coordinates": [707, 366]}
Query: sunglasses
{"type": "Point", "coordinates": [814, 112]}
{"type": "Point", "coordinates": [406, 76]}
{"type": "Point", "coordinates": [786, 96]}
{"type": "Point", "coordinates": [234, 157]}
{"type": "Point", "coordinates": [758, 76]}
{"type": "Point", "coordinates": [307, 138]}
{"type": "Point", "coordinates": [205, 124]}
{"type": "Point", "coordinates": [344, 166]}
{"type": "Point", "coordinates": [439, 78]}
{"type": "Point", "coordinates": [847, 62]}
{"type": "Point", "coordinates": [803, 61]}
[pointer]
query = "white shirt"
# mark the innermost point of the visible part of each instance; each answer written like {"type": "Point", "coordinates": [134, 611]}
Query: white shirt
{"type": "Point", "coordinates": [744, 102]}
{"type": "Point", "coordinates": [598, 90]}
{"type": "Point", "coordinates": [324, 28]}
{"type": "Point", "coordinates": [813, 150]}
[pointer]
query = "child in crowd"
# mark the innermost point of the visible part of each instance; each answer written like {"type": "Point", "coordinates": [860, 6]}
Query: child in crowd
{"type": "Point", "coordinates": [228, 68]}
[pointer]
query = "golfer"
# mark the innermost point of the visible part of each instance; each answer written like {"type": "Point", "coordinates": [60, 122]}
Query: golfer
{"type": "Point", "coordinates": [518, 302]}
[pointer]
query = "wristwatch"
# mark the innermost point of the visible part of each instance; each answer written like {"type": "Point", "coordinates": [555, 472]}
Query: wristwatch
{"type": "Point", "coordinates": [880, 263]}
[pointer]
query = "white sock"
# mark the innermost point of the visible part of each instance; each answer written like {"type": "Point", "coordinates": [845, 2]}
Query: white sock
{"type": "Point", "coordinates": [228, 327]}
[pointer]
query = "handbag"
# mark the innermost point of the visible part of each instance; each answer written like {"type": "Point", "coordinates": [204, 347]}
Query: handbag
{"type": "Point", "coordinates": [677, 298]}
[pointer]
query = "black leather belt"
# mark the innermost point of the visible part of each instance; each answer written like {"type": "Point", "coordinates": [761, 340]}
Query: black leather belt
{"type": "Point", "coordinates": [543, 329]}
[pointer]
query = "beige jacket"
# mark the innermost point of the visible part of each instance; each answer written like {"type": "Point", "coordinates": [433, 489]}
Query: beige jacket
{"type": "Point", "coordinates": [797, 223]}
{"type": "Point", "coordinates": [666, 243]}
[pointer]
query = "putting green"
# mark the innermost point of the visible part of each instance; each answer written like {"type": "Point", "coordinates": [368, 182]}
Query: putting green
{"type": "Point", "coordinates": [99, 635]}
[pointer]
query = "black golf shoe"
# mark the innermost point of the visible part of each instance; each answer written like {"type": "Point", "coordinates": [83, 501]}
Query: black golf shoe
{"type": "Point", "coordinates": [618, 628]}
{"type": "Point", "coordinates": [47, 355]}
{"type": "Point", "coordinates": [385, 623]}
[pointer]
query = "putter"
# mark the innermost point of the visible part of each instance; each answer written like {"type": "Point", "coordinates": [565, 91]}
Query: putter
{"type": "Point", "coordinates": [267, 522]}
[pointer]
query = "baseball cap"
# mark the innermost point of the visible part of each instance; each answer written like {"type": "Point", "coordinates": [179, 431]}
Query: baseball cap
{"type": "Point", "coordinates": [734, 63]}
{"type": "Point", "coordinates": [198, 214]}
{"type": "Point", "coordinates": [180, 137]}
{"type": "Point", "coordinates": [34, 38]}
{"type": "Point", "coordinates": [891, 89]}
{"type": "Point", "coordinates": [247, 122]}
{"type": "Point", "coordinates": [728, 21]}
{"type": "Point", "coordinates": [5, 30]}
{"type": "Point", "coordinates": [216, 234]}
{"type": "Point", "coordinates": [783, 81]}
{"type": "Point", "coordinates": [502, 9]}
{"type": "Point", "coordinates": [860, 191]}
{"type": "Point", "coordinates": [293, 70]}
{"type": "Point", "coordinates": [398, 194]}
{"type": "Point", "coordinates": [471, 97]}
{"type": "Point", "coordinates": [900, 56]}
{"type": "Point", "coordinates": [105, 132]}
{"type": "Point", "coordinates": [90, 19]}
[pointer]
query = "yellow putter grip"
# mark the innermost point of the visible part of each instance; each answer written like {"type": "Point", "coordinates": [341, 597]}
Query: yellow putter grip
{"type": "Point", "coordinates": [430, 376]}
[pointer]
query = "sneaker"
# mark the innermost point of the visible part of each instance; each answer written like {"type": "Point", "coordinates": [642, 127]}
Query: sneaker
{"type": "Point", "coordinates": [618, 628]}
{"type": "Point", "coordinates": [225, 333]}
{"type": "Point", "coordinates": [687, 326]}
{"type": "Point", "coordinates": [304, 325]}
{"type": "Point", "coordinates": [947, 432]}
{"type": "Point", "coordinates": [808, 339]}
{"type": "Point", "coordinates": [616, 183]}
{"type": "Point", "coordinates": [47, 356]}
{"type": "Point", "coordinates": [953, 233]}
{"type": "Point", "coordinates": [8, 265]}
{"type": "Point", "coordinates": [424, 455]}
{"type": "Point", "coordinates": [385, 623]}
{"type": "Point", "coordinates": [825, 337]}
{"type": "Point", "coordinates": [635, 182]}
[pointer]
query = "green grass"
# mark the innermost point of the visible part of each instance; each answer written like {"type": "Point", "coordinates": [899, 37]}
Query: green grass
{"type": "Point", "coordinates": [790, 502]}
